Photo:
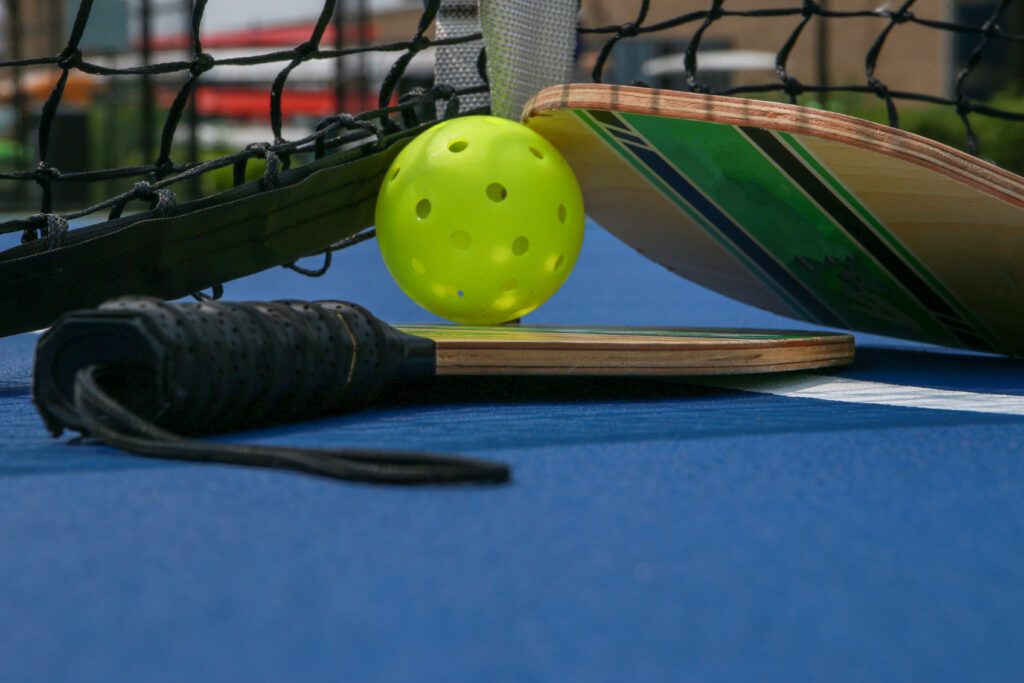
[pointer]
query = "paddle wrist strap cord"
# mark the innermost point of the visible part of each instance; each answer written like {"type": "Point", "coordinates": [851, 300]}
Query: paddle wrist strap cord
{"type": "Point", "coordinates": [147, 376]}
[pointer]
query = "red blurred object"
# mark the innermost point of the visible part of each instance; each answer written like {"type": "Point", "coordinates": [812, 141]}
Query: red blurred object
{"type": "Point", "coordinates": [269, 36]}
{"type": "Point", "coordinates": [254, 103]}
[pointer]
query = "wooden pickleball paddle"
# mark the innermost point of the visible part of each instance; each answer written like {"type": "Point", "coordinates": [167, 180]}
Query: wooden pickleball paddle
{"type": "Point", "coordinates": [814, 215]}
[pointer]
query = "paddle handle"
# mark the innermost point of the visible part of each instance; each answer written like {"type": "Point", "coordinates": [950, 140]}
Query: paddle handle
{"type": "Point", "coordinates": [214, 366]}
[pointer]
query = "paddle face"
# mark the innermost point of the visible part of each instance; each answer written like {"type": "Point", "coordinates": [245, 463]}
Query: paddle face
{"type": "Point", "coordinates": [813, 215]}
{"type": "Point", "coordinates": [668, 352]}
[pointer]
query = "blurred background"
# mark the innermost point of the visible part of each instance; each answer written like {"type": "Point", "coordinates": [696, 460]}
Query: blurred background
{"type": "Point", "coordinates": [108, 122]}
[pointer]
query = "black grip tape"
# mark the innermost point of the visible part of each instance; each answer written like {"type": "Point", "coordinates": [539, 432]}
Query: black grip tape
{"type": "Point", "coordinates": [201, 367]}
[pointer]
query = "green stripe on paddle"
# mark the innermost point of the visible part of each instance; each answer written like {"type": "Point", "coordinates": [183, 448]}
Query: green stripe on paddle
{"type": "Point", "coordinates": [733, 173]}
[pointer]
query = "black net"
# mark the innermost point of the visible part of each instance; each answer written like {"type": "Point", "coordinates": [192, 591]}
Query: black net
{"type": "Point", "coordinates": [985, 44]}
{"type": "Point", "coordinates": [686, 42]}
{"type": "Point", "coordinates": [165, 172]}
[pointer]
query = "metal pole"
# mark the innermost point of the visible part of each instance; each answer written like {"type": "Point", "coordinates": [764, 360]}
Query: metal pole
{"type": "Point", "coordinates": [55, 19]}
{"type": "Point", "coordinates": [14, 53]}
{"type": "Point", "coordinates": [17, 94]}
{"type": "Point", "coordinates": [339, 67]}
{"type": "Point", "coordinates": [148, 113]}
{"type": "Point", "coordinates": [1016, 49]}
{"type": "Point", "coordinates": [822, 56]}
{"type": "Point", "coordinates": [192, 112]}
{"type": "Point", "coordinates": [364, 39]}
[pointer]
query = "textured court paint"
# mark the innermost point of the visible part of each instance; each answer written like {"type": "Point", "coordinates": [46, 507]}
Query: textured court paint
{"type": "Point", "coordinates": [844, 390]}
{"type": "Point", "coordinates": [721, 167]}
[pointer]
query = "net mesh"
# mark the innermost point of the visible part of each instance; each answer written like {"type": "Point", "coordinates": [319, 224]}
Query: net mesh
{"type": "Point", "coordinates": [612, 36]}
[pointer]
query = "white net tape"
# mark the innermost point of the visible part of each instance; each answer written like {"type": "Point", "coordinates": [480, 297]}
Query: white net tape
{"type": "Point", "coordinates": [456, 65]}
{"type": "Point", "coordinates": [530, 45]}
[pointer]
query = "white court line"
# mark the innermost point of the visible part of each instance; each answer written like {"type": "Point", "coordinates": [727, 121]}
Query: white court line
{"type": "Point", "coordinates": [842, 390]}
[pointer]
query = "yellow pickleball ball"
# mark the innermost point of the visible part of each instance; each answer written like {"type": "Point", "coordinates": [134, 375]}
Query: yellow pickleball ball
{"type": "Point", "coordinates": [480, 220]}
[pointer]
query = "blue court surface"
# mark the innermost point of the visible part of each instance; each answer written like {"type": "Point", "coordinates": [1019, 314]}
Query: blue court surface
{"type": "Point", "coordinates": [864, 525]}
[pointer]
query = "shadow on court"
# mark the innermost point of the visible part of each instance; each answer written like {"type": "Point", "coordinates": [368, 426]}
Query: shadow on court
{"type": "Point", "coordinates": [454, 414]}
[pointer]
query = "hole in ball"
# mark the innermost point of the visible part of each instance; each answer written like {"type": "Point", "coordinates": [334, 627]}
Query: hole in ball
{"type": "Point", "coordinates": [497, 192]}
{"type": "Point", "coordinates": [423, 209]}
{"type": "Point", "coordinates": [461, 239]}
{"type": "Point", "coordinates": [394, 174]}
{"type": "Point", "coordinates": [509, 284]}
{"type": "Point", "coordinates": [459, 294]}
{"type": "Point", "coordinates": [536, 152]}
{"type": "Point", "coordinates": [520, 246]}
{"type": "Point", "coordinates": [563, 213]}
{"type": "Point", "coordinates": [457, 146]}
{"type": "Point", "coordinates": [558, 263]}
